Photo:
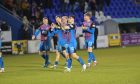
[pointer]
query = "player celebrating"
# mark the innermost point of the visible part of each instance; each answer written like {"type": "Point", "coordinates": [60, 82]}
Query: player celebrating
{"type": "Point", "coordinates": [60, 46]}
{"type": "Point", "coordinates": [45, 40]}
{"type": "Point", "coordinates": [1, 60]}
{"type": "Point", "coordinates": [88, 29]}
{"type": "Point", "coordinates": [73, 27]}
{"type": "Point", "coordinates": [71, 44]}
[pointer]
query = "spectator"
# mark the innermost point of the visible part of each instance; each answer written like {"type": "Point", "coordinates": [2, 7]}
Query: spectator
{"type": "Point", "coordinates": [17, 9]}
{"type": "Point", "coordinates": [86, 8]}
{"type": "Point", "coordinates": [82, 4]}
{"type": "Point", "coordinates": [9, 4]}
{"type": "Point", "coordinates": [25, 8]}
{"type": "Point", "coordinates": [76, 5]}
{"type": "Point", "coordinates": [39, 13]}
{"type": "Point", "coordinates": [99, 5]}
{"type": "Point", "coordinates": [25, 21]}
{"type": "Point", "coordinates": [108, 2]}
{"type": "Point", "coordinates": [65, 4]}
{"type": "Point", "coordinates": [72, 3]}
{"type": "Point", "coordinates": [92, 4]}
{"type": "Point", "coordinates": [33, 9]}
{"type": "Point", "coordinates": [26, 34]}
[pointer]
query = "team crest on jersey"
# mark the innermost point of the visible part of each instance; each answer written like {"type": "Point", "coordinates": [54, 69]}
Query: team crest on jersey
{"type": "Point", "coordinates": [44, 32]}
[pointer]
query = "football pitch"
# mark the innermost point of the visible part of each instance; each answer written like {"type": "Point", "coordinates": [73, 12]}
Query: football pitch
{"type": "Point", "coordinates": [115, 66]}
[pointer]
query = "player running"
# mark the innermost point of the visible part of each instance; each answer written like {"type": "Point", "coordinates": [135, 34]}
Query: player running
{"type": "Point", "coordinates": [71, 44]}
{"type": "Point", "coordinates": [88, 30]}
{"type": "Point", "coordinates": [44, 46]}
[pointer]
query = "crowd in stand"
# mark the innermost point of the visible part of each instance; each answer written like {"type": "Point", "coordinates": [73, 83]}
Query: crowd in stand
{"type": "Point", "coordinates": [33, 9]}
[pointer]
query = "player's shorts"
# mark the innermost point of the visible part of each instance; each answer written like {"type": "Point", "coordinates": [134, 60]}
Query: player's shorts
{"type": "Point", "coordinates": [75, 45]}
{"type": "Point", "coordinates": [89, 44]}
{"type": "Point", "coordinates": [70, 49]}
{"type": "Point", "coordinates": [60, 48]}
{"type": "Point", "coordinates": [44, 46]}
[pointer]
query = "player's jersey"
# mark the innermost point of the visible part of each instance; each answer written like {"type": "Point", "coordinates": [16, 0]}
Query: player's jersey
{"type": "Point", "coordinates": [61, 34]}
{"type": "Point", "coordinates": [71, 36]}
{"type": "Point", "coordinates": [45, 32]}
{"type": "Point", "coordinates": [45, 43]}
{"type": "Point", "coordinates": [89, 31]}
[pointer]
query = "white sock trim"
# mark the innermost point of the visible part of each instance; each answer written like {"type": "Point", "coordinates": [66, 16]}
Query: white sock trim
{"type": "Point", "coordinates": [2, 69]}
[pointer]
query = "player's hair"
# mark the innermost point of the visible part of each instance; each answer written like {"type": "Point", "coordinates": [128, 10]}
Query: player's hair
{"type": "Point", "coordinates": [58, 16]}
{"type": "Point", "coordinates": [88, 14]}
{"type": "Point", "coordinates": [72, 16]}
{"type": "Point", "coordinates": [45, 17]}
{"type": "Point", "coordinates": [65, 17]}
{"type": "Point", "coordinates": [49, 21]}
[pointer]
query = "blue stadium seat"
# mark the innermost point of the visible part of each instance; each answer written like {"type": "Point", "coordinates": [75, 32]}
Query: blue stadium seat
{"type": "Point", "coordinates": [122, 8]}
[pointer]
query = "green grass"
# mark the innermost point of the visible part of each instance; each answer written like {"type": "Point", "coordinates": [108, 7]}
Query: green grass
{"type": "Point", "coordinates": [115, 66]}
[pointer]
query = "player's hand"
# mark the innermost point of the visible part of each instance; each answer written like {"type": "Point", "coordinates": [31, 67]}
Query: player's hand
{"type": "Point", "coordinates": [33, 37]}
{"type": "Point", "coordinates": [67, 27]}
{"type": "Point", "coordinates": [83, 27]}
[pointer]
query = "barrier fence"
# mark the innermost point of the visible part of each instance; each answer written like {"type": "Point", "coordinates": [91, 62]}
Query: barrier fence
{"type": "Point", "coordinates": [31, 46]}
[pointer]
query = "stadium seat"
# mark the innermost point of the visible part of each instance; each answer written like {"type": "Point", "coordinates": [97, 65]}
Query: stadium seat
{"type": "Point", "coordinates": [124, 9]}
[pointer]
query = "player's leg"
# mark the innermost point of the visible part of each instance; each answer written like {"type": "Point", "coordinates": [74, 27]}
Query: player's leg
{"type": "Point", "coordinates": [56, 60]}
{"type": "Point", "coordinates": [46, 52]}
{"type": "Point", "coordinates": [43, 53]}
{"type": "Point", "coordinates": [59, 51]}
{"type": "Point", "coordinates": [80, 60]}
{"type": "Point", "coordinates": [69, 60]}
{"type": "Point", "coordinates": [41, 48]}
{"type": "Point", "coordinates": [47, 62]}
{"type": "Point", "coordinates": [69, 63]}
{"type": "Point", "coordinates": [1, 63]}
{"type": "Point", "coordinates": [91, 56]}
{"type": "Point", "coordinates": [72, 52]}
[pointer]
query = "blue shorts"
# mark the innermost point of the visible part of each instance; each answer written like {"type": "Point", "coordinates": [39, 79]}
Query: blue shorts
{"type": "Point", "coordinates": [70, 49]}
{"type": "Point", "coordinates": [44, 46]}
{"type": "Point", "coordinates": [75, 45]}
{"type": "Point", "coordinates": [60, 48]}
{"type": "Point", "coordinates": [89, 44]}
